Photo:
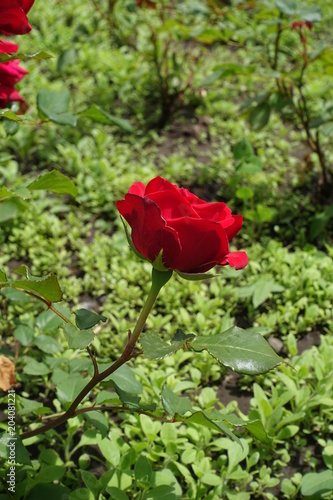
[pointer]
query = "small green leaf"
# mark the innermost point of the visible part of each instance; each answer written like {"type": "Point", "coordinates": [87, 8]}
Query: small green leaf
{"type": "Point", "coordinates": [54, 181]}
{"type": "Point", "coordinates": [125, 379]}
{"type": "Point", "coordinates": [173, 403]}
{"type": "Point", "coordinates": [70, 387]}
{"type": "Point", "coordinates": [77, 339]}
{"type": "Point", "coordinates": [28, 406]}
{"type": "Point", "coordinates": [33, 367]}
{"type": "Point", "coordinates": [8, 210]}
{"type": "Point", "coordinates": [98, 115]}
{"type": "Point", "coordinates": [201, 418]}
{"type": "Point", "coordinates": [244, 193]}
{"type": "Point", "coordinates": [49, 491]}
{"type": "Point", "coordinates": [242, 351]}
{"type": "Point", "coordinates": [67, 58]}
{"type": "Point", "coordinates": [85, 319]}
{"type": "Point", "coordinates": [317, 483]}
{"type": "Point", "coordinates": [143, 470]}
{"type": "Point", "coordinates": [47, 344]}
{"type": "Point", "coordinates": [287, 7]}
{"type": "Point", "coordinates": [98, 420]}
{"type": "Point", "coordinates": [46, 287]}
{"type": "Point", "coordinates": [3, 278]}
{"type": "Point", "coordinates": [259, 116]}
{"type": "Point", "coordinates": [21, 453]}
{"type": "Point", "coordinates": [243, 150]}
{"type": "Point", "coordinates": [263, 289]}
{"type": "Point", "coordinates": [9, 114]}
{"type": "Point", "coordinates": [55, 106]}
{"type": "Point", "coordinates": [24, 334]}
{"type": "Point", "coordinates": [155, 348]}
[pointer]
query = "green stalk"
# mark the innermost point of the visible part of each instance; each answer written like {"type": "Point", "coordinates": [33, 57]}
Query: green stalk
{"type": "Point", "coordinates": [159, 279]}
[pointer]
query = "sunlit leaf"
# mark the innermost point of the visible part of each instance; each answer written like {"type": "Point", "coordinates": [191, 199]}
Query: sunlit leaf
{"type": "Point", "coordinates": [242, 351]}
{"type": "Point", "coordinates": [54, 181]}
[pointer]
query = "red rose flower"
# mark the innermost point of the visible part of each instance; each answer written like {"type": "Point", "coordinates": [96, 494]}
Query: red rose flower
{"type": "Point", "coordinates": [13, 16]}
{"type": "Point", "coordinates": [192, 234]}
{"type": "Point", "coordinates": [10, 74]}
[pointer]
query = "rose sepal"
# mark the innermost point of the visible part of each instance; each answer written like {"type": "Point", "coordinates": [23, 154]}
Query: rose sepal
{"type": "Point", "coordinates": [158, 263]}
{"type": "Point", "coordinates": [196, 276]}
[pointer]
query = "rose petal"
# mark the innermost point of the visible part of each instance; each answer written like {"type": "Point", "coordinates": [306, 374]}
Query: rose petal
{"type": "Point", "coordinates": [159, 184]}
{"type": "Point", "coordinates": [232, 230]}
{"type": "Point", "coordinates": [238, 260]}
{"type": "Point", "coordinates": [137, 188]}
{"type": "Point", "coordinates": [173, 205]}
{"type": "Point", "coordinates": [202, 242]}
{"type": "Point", "coordinates": [13, 19]}
{"type": "Point", "coordinates": [150, 234]}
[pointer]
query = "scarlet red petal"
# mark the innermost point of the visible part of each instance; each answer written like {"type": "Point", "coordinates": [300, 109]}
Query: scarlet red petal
{"type": "Point", "coordinates": [137, 188]}
{"type": "Point", "coordinates": [173, 205]}
{"type": "Point", "coordinates": [26, 5]}
{"type": "Point", "coordinates": [232, 230]}
{"type": "Point", "coordinates": [159, 184]}
{"type": "Point", "coordinates": [201, 242]}
{"type": "Point", "coordinates": [7, 47]}
{"type": "Point", "coordinates": [216, 212]}
{"type": "Point", "coordinates": [238, 260]}
{"type": "Point", "coordinates": [150, 234]}
{"type": "Point", "coordinates": [13, 19]}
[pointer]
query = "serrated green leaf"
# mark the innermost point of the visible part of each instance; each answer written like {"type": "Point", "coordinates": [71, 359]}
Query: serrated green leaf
{"type": "Point", "coordinates": [77, 339]}
{"type": "Point", "coordinates": [172, 403]}
{"type": "Point", "coordinates": [98, 115]}
{"type": "Point", "coordinates": [55, 106]}
{"type": "Point", "coordinates": [155, 348]}
{"type": "Point", "coordinates": [56, 182]}
{"type": "Point", "coordinates": [242, 351]}
{"type": "Point", "coordinates": [46, 287]}
{"type": "Point", "coordinates": [28, 406]}
{"type": "Point", "coordinates": [10, 115]}
{"type": "Point", "coordinates": [85, 319]}
{"type": "Point", "coordinates": [39, 56]}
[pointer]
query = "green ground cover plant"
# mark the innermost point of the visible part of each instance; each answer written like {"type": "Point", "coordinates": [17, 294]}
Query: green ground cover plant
{"type": "Point", "coordinates": [181, 425]}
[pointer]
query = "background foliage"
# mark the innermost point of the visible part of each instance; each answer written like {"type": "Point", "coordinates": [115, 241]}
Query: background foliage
{"type": "Point", "coordinates": [187, 92]}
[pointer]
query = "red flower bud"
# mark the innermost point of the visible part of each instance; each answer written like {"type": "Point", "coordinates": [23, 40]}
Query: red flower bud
{"type": "Point", "coordinates": [191, 235]}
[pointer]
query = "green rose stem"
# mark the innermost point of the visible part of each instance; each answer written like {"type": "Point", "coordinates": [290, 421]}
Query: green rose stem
{"type": "Point", "coordinates": [159, 279]}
